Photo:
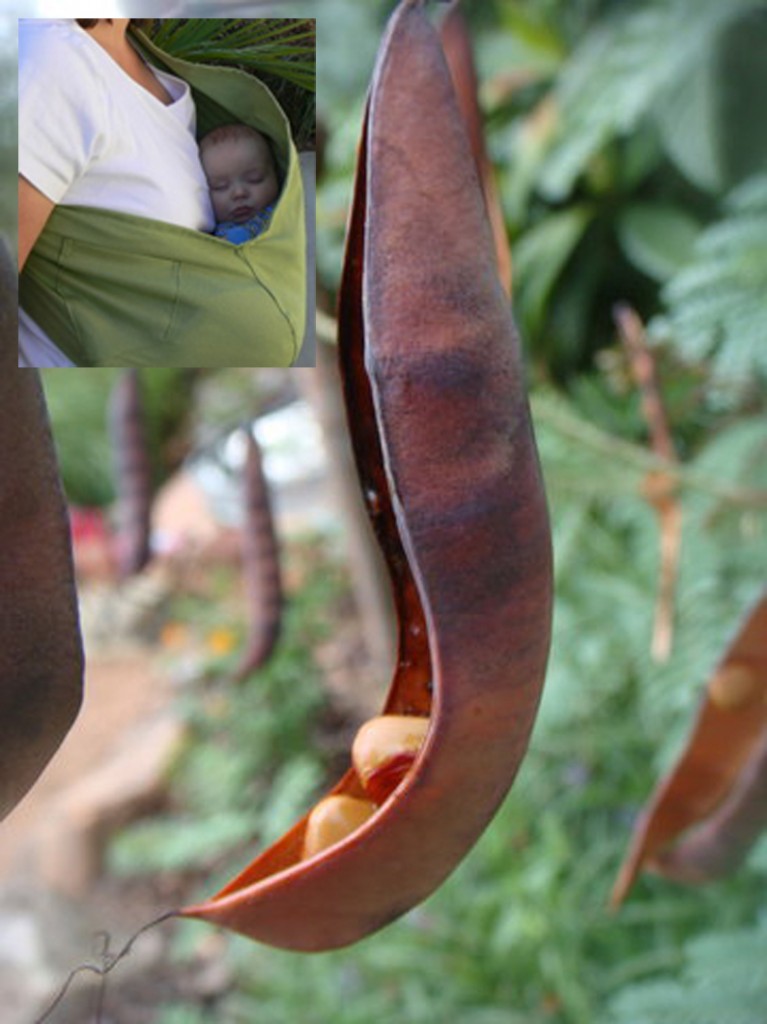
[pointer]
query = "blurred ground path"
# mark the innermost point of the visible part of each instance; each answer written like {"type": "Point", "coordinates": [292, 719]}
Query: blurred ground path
{"type": "Point", "coordinates": [122, 691]}
{"type": "Point", "coordinates": [52, 844]}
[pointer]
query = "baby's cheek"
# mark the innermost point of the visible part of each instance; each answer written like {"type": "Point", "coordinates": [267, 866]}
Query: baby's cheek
{"type": "Point", "coordinates": [269, 193]}
{"type": "Point", "coordinates": [219, 204]}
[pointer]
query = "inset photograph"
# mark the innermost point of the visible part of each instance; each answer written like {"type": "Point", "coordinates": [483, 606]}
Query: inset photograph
{"type": "Point", "coordinates": [163, 200]}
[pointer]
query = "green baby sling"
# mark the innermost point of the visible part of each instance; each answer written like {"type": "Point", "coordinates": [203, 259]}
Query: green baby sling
{"type": "Point", "coordinates": [114, 289]}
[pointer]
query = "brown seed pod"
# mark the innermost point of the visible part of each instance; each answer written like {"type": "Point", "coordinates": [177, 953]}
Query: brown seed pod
{"type": "Point", "coordinates": [719, 846]}
{"type": "Point", "coordinates": [41, 660]}
{"type": "Point", "coordinates": [445, 452]}
{"type": "Point", "coordinates": [261, 561]}
{"type": "Point", "coordinates": [730, 727]}
{"type": "Point", "coordinates": [133, 471]}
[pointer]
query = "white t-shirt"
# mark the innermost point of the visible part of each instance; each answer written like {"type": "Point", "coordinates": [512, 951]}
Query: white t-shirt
{"type": "Point", "coordinates": [89, 135]}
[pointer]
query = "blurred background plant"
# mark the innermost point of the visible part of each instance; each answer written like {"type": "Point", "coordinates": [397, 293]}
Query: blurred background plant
{"type": "Point", "coordinates": [630, 147]}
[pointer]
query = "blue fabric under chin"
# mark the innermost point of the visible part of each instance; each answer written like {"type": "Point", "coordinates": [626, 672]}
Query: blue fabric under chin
{"type": "Point", "coordinates": [239, 233]}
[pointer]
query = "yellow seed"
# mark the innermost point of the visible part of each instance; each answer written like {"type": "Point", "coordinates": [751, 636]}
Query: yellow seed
{"type": "Point", "coordinates": [384, 749]}
{"type": "Point", "coordinates": [332, 820]}
{"type": "Point", "coordinates": [733, 686]}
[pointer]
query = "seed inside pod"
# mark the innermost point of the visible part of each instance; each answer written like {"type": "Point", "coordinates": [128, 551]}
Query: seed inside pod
{"type": "Point", "coordinates": [734, 686]}
{"type": "Point", "coordinates": [384, 750]}
{"type": "Point", "coordinates": [332, 820]}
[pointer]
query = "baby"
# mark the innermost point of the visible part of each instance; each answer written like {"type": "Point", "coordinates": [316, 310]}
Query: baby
{"type": "Point", "coordinates": [242, 178]}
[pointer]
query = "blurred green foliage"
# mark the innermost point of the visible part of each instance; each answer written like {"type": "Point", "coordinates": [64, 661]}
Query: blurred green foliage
{"type": "Point", "coordinates": [78, 404]}
{"type": "Point", "coordinates": [247, 768]}
{"type": "Point", "coordinates": [185, 410]}
{"type": "Point", "coordinates": [618, 132]}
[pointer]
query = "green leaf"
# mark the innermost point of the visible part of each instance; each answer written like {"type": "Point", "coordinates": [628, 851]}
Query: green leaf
{"type": "Point", "coordinates": [540, 256]}
{"type": "Point", "coordinates": [711, 124]}
{"type": "Point", "coordinates": [658, 238]}
{"type": "Point", "coordinates": [622, 71]}
{"type": "Point", "coordinates": [687, 126]}
{"type": "Point", "coordinates": [724, 980]}
{"type": "Point", "coordinates": [529, 40]}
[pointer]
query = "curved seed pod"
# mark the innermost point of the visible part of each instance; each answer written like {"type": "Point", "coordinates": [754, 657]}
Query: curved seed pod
{"type": "Point", "coordinates": [133, 470]}
{"type": "Point", "coordinates": [41, 660]}
{"type": "Point", "coordinates": [261, 557]}
{"type": "Point", "coordinates": [460, 59]}
{"type": "Point", "coordinates": [729, 728]}
{"type": "Point", "coordinates": [718, 846]}
{"type": "Point", "coordinates": [445, 452]}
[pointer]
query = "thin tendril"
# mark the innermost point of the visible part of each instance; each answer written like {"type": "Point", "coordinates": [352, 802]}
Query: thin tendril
{"type": "Point", "coordinates": [103, 938]}
{"type": "Point", "coordinates": [108, 962]}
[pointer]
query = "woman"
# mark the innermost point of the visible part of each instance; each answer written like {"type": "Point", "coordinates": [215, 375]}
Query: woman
{"type": "Point", "coordinates": [99, 127]}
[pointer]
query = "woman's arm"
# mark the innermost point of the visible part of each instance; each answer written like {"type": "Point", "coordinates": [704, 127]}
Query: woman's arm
{"type": "Point", "coordinates": [34, 211]}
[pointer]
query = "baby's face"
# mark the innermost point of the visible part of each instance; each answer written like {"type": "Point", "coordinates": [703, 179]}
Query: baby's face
{"type": "Point", "coordinates": [241, 178]}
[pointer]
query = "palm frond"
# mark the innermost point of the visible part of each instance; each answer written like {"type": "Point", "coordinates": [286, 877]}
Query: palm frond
{"type": "Point", "coordinates": [279, 51]}
{"type": "Point", "coordinates": [283, 47]}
